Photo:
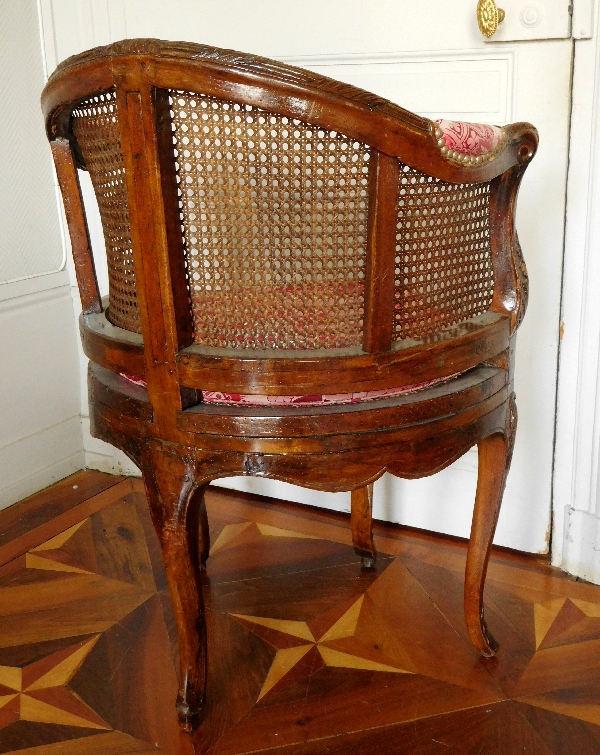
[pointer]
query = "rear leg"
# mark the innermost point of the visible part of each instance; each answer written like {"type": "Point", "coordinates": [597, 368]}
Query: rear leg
{"type": "Point", "coordinates": [361, 520]}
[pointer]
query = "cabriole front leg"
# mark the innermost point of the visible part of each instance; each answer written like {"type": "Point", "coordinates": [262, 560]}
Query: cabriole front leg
{"type": "Point", "coordinates": [177, 506]}
{"type": "Point", "coordinates": [495, 454]}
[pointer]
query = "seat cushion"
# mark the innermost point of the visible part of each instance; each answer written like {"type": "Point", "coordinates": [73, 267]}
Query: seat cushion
{"type": "Point", "coordinates": [473, 139]}
{"type": "Point", "coordinates": [241, 399]}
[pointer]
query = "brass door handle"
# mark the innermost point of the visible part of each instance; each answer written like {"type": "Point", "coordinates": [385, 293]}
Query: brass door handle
{"type": "Point", "coordinates": [488, 17]}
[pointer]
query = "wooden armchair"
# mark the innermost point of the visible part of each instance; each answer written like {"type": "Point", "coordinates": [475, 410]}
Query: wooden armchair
{"type": "Point", "coordinates": [307, 282]}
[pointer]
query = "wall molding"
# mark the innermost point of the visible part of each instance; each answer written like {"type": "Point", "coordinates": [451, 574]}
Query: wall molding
{"type": "Point", "coordinates": [27, 287]}
{"type": "Point", "coordinates": [501, 62]}
{"type": "Point", "coordinates": [412, 56]}
{"type": "Point", "coordinates": [576, 468]}
{"type": "Point", "coordinates": [104, 457]}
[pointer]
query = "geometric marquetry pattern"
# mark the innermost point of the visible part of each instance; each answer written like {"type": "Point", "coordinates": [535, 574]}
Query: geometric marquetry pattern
{"type": "Point", "coordinates": [37, 692]}
{"type": "Point", "coordinates": [307, 653]}
{"type": "Point", "coordinates": [300, 653]}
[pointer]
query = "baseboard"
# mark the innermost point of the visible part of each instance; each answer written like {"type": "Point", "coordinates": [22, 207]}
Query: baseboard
{"type": "Point", "coordinates": [581, 546]}
{"type": "Point", "coordinates": [48, 456]}
{"type": "Point", "coordinates": [286, 492]}
{"type": "Point", "coordinates": [104, 457]}
{"type": "Point", "coordinates": [116, 463]}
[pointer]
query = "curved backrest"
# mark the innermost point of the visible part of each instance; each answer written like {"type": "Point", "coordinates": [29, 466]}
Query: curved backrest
{"type": "Point", "coordinates": [267, 227]}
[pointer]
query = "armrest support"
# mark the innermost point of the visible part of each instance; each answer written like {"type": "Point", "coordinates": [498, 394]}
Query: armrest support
{"type": "Point", "coordinates": [511, 282]}
{"type": "Point", "coordinates": [478, 153]}
{"type": "Point", "coordinates": [77, 224]}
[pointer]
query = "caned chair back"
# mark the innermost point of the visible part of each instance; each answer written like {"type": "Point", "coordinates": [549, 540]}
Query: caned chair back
{"type": "Point", "coordinates": [271, 231]}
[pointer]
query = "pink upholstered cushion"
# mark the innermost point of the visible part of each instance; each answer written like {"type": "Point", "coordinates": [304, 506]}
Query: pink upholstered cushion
{"type": "Point", "coordinates": [240, 399]}
{"type": "Point", "coordinates": [472, 139]}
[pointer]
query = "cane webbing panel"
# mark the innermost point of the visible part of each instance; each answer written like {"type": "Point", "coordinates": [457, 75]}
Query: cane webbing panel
{"type": "Point", "coordinates": [443, 265]}
{"type": "Point", "coordinates": [274, 213]}
{"type": "Point", "coordinates": [96, 128]}
{"type": "Point", "coordinates": [274, 216]}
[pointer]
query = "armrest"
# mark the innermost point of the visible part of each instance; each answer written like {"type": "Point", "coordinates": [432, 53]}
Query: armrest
{"type": "Point", "coordinates": [469, 143]}
{"type": "Point", "coordinates": [511, 282]}
{"type": "Point", "coordinates": [475, 145]}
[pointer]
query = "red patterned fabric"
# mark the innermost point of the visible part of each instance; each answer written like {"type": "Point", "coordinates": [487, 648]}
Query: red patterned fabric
{"type": "Point", "coordinates": [472, 139]}
{"type": "Point", "coordinates": [134, 379]}
{"type": "Point", "coordinates": [241, 399]}
{"type": "Point", "coordinates": [216, 397]}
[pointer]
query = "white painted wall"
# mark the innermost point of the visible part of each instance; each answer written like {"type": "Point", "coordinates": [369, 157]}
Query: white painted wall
{"type": "Point", "coordinates": [68, 27]}
{"type": "Point", "coordinates": [40, 428]}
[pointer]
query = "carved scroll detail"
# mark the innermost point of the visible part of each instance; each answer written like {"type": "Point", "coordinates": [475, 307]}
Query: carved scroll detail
{"type": "Point", "coordinates": [511, 430]}
{"type": "Point", "coordinates": [523, 277]}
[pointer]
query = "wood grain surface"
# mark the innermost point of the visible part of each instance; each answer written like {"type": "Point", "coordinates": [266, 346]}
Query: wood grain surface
{"type": "Point", "coordinates": [308, 652]}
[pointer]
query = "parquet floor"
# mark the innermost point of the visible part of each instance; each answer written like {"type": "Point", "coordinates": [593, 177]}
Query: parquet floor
{"type": "Point", "coordinates": [308, 654]}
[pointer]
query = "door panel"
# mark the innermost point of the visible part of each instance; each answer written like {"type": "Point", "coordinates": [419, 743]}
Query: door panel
{"type": "Point", "coordinates": [475, 85]}
{"type": "Point", "coordinates": [430, 57]}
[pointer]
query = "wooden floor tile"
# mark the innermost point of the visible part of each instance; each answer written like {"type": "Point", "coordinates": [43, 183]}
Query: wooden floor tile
{"type": "Point", "coordinates": [46, 506]}
{"type": "Point", "coordinates": [476, 731]}
{"type": "Point", "coordinates": [563, 734]}
{"type": "Point", "coordinates": [113, 743]}
{"type": "Point", "coordinates": [308, 652]}
{"type": "Point", "coordinates": [582, 702]}
{"type": "Point", "coordinates": [71, 515]}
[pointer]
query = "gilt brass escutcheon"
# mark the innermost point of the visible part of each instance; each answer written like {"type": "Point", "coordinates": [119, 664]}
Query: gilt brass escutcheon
{"type": "Point", "coordinates": [488, 17]}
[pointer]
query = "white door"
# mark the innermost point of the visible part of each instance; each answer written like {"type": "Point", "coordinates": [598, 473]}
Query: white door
{"type": "Point", "coordinates": [429, 57]}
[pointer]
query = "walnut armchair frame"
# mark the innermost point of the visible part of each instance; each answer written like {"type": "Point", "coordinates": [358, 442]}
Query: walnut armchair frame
{"type": "Point", "coordinates": [182, 443]}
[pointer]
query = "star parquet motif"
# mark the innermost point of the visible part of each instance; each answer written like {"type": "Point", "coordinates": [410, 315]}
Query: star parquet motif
{"type": "Point", "coordinates": [308, 653]}
{"type": "Point", "coordinates": [300, 654]}
{"type": "Point", "coordinates": [77, 612]}
{"type": "Point", "coordinates": [37, 692]}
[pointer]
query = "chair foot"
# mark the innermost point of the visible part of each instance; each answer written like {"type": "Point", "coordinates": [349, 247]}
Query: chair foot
{"type": "Point", "coordinates": [488, 644]}
{"type": "Point", "coordinates": [188, 717]}
{"type": "Point", "coordinates": [495, 453]}
{"type": "Point", "coordinates": [368, 562]}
